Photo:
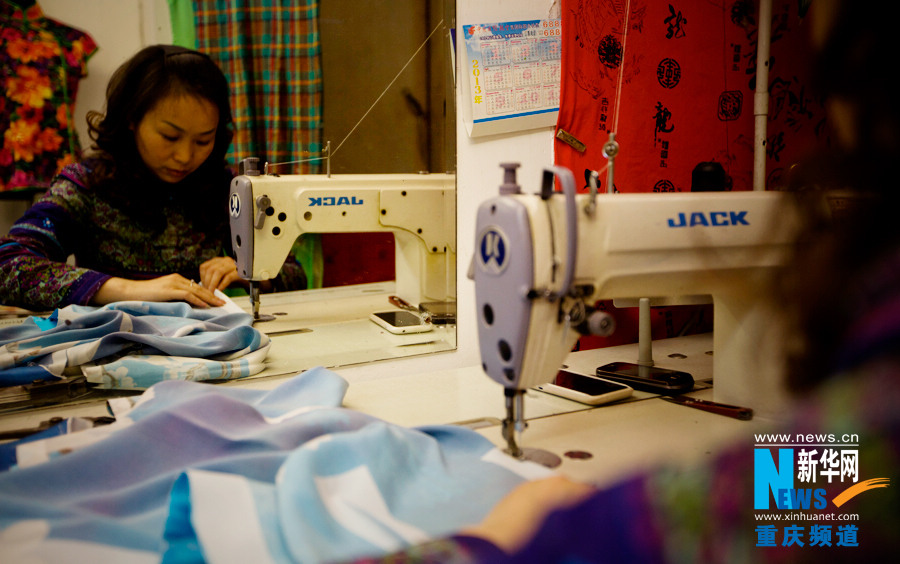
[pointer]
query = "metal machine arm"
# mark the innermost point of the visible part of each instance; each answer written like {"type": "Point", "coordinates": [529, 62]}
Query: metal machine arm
{"type": "Point", "coordinates": [722, 244]}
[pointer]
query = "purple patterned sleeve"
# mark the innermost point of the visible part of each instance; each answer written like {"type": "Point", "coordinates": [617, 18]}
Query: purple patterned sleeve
{"type": "Point", "coordinates": [33, 268]}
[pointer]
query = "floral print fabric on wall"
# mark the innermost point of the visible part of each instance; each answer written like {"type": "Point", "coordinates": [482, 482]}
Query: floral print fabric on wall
{"type": "Point", "coordinates": [42, 61]}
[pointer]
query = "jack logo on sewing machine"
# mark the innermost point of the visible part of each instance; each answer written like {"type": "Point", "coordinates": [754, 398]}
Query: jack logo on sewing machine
{"type": "Point", "coordinates": [493, 250]}
{"type": "Point", "coordinates": [709, 219]}
{"type": "Point", "coordinates": [335, 201]}
{"type": "Point", "coordinates": [234, 204]}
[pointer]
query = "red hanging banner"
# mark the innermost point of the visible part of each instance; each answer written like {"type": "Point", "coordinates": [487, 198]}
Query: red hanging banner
{"type": "Point", "coordinates": [675, 81]}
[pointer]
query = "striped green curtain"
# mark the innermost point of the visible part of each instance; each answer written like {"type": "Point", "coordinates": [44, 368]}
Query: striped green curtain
{"type": "Point", "coordinates": [270, 52]}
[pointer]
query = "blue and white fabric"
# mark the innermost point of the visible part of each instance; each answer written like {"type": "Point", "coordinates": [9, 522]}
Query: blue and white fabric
{"type": "Point", "coordinates": [194, 472]}
{"type": "Point", "coordinates": [133, 345]}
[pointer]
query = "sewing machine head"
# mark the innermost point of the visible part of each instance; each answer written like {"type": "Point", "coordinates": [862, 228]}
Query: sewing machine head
{"type": "Point", "coordinates": [269, 212]}
{"type": "Point", "coordinates": [543, 259]}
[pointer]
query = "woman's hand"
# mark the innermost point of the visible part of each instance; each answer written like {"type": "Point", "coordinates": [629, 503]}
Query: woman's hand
{"type": "Point", "coordinates": [169, 288]}
{"type": "Point", "coordinates": [518, 516]}
{"type": "Point", "coordinates": [219, 273]}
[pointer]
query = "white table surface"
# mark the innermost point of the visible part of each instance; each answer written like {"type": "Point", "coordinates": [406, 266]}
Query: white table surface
{"type": "Point", "coordinates": [620, 438]}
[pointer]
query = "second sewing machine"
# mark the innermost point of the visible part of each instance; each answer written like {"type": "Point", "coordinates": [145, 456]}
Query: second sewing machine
{"type": "Point", "coordinates": [269, 211]}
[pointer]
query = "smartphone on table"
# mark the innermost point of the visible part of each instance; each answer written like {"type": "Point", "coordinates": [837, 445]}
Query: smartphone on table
{"type": "Point", "coordinates": [400, 322]}
{"type": "Point", "coordinates": [585, 389]}
{"type": "Point", "coordinates": [648, 378]}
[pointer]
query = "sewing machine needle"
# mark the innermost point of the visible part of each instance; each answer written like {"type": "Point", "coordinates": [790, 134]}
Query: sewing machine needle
{"type": "Point", "coordinates": [254, 299]}
{"type": "Point", "coordinates": [254, 304]}
{"type": "Point", "coordinates": [513, 423]}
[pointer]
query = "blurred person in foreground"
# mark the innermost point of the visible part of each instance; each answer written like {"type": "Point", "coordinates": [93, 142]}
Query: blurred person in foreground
{"type": "Point", "coordinates": [841, 302]}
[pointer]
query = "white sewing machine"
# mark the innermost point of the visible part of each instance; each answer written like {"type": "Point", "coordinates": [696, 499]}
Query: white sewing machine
{"type": "Point", "coordinates": [269, 212]}
{"type": "Point", "coordinates": [542, 259]}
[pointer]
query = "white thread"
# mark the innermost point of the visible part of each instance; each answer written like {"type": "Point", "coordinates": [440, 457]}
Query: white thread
{"type": "Point", "coordinates": [621, 68]}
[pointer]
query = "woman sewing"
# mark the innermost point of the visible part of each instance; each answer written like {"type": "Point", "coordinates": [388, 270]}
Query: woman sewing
{"type": "Point", "coordinates": [145, 216]}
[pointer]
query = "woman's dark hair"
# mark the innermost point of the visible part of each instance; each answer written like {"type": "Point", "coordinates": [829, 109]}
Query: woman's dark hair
{"type": "Point", "coordinates": [846, 239]}
{"type": "Point", "coordinates": [117, 170]}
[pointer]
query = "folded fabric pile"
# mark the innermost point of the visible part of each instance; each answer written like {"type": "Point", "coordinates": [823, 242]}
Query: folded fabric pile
{"type": "Point", "coordinates": [133, 345]}
{"type": "Point", "coordinates": [194, 472]}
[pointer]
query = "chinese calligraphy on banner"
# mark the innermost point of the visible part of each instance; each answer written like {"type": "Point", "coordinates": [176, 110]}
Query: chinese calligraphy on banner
{"type": "Point", "coordinates": [677, 87]}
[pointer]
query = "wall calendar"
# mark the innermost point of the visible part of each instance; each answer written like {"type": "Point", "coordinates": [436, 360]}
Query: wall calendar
{"type": "Point", "coordinates": [513, 76]}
